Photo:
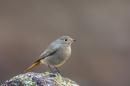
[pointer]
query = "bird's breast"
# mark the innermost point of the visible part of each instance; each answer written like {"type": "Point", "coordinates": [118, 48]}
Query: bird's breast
{"type": "Point", "coordinates": [59, 57]}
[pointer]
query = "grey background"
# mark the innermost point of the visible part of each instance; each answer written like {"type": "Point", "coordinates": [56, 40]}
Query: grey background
{"type": "Point", "coordinates": [101, 54]}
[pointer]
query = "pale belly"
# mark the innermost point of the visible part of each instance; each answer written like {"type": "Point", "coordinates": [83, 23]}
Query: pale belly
{"type": "Point", "coordinates": [57, 59]}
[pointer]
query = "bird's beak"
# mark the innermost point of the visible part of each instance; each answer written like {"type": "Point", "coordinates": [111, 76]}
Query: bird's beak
{"type": "Point", "coordinates": [74, 39]}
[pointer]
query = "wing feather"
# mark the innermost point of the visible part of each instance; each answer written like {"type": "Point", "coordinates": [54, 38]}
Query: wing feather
{"type": "Point", "coordinates": [51, 50]}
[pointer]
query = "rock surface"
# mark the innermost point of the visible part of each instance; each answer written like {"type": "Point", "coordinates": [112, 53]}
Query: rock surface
{"type": "Point", "coordinates": [39, 79]}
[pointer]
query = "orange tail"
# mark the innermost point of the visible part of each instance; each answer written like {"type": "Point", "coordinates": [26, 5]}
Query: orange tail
{"type": "Point", "coordinates": [34, 65]}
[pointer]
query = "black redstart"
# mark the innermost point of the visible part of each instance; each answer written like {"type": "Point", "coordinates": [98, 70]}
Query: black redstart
{"type": "Point", "coordinates": [56, 53]}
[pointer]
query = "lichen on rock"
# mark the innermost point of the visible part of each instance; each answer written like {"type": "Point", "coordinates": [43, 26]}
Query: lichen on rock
{"type": "Point", "coordinates": [39, 79]}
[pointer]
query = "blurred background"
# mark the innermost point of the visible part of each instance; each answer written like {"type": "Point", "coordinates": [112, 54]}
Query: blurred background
{"type": "Point", "coordinates": [101, 54]}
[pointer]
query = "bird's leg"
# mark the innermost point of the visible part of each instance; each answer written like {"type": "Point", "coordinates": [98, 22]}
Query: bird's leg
{"type": "Point", "coordinates": [58, 71]}
{"type": "Point", "coordinates": [50, 69]}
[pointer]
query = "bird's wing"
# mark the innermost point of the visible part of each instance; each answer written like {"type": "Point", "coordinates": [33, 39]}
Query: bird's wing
{"type": "Point", "coordinates": [49, 51]}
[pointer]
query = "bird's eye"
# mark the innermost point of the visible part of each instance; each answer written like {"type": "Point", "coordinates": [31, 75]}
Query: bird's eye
{"type": "Point", "coordinates": [65, 40]}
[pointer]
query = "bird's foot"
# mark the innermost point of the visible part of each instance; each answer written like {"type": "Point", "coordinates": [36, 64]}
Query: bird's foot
{"type": "Point", "coordinates": [57, 72]}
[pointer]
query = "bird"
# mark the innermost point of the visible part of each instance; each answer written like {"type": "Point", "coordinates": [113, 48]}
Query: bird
{"type": "Point", "coordinates": [56, 54]}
